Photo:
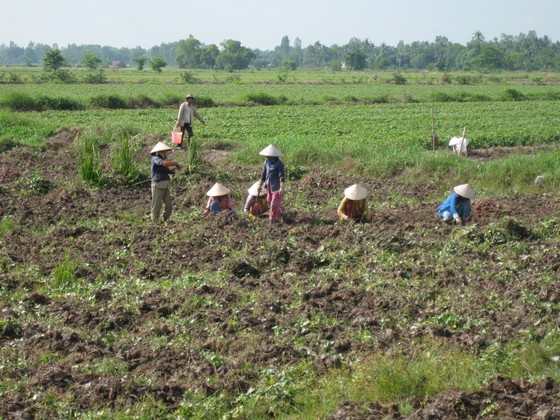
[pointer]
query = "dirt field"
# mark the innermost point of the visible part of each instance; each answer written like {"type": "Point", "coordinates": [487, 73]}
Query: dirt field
{"type": "Point", "coordinates": [383, 278]}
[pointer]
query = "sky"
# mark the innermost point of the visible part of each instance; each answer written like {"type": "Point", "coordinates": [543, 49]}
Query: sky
{"type": "Point", "coordinates": [261, 24]}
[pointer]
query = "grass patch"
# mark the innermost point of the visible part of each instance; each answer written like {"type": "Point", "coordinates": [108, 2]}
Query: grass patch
{"type": "Point", "coordinates": [110, 102]}
{"type": "Point", "coordinates": [123, 161]}
{"type": "Point", "coordinates": [89, 163]}
{"type": "Point", "coordinates": [6, 224]}
{"type": "Point", "coordinates": [262, 98]}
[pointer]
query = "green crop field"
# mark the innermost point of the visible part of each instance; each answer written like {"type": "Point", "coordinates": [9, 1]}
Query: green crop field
{"type": "Point", "coordinates": [106, 315]}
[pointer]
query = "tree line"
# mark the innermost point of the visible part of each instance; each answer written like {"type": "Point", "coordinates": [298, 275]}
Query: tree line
{"type": "Point", "coordinates": [527, 52]}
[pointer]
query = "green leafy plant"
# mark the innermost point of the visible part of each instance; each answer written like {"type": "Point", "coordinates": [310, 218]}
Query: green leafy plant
{"type": "Point", "coordinates": [188, 77]}
{"type": "Point", "coordinates": [109, 101]}
{"type": "Point", "coordinates": [96, 77]}
{"type": "Point", "coordinates": [36, 184]}
{"type": "Point", "coordinates": [64, 273]}
{"type": "Point", "coordinates": [398, 79]}
{"type": "Point", "coordinates": [88, 160]}
{"type": "Point", "coordinates": [123, 162]}
{"type": "Point", "coordinates": [193, 158]}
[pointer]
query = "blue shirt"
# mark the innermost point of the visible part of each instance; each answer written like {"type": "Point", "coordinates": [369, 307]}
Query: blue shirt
{"type": "Point", "coordinates": [159, 172]}
{"type": "Point", "coordinates": [273, 173]}
{"type": "Point", "coordinates": [455, 204]}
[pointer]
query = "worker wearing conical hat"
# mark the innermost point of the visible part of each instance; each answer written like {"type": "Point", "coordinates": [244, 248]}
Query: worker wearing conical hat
{"type": "Point", "coordinates": [354, 206]}
{"type": "Point", "coordinates": [457, 207]}
{"type": "Point", "coordinates": [273, 175]}
{"type": "Point", "coordinates": [219, 201]}
{"type": "Point", "coordinates": [162, 168]}
{"type": "Point", "coordinates": [256, 204]}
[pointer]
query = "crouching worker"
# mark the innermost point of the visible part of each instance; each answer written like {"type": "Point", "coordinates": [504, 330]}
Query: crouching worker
{"type": "Point", "coordinates": [273, 175]}
{"type": "Point", "coordinates": [162, 168]}
{"type": "Point", "coordinates": [457, 207]}
{"type": "Point", "coordinates": [256, 201]}
{"type": "Point", "coordinates": [354, 206]}
{"type": "Point", "coordinates": [220, 201]}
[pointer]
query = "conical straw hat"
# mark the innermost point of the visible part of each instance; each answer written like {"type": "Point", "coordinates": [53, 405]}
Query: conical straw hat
{"type": "Point", "coordinates": [217, 190]}
{"type": "Point", "coordinates": [160, 147]}
{"type": "Point", "coordinates": [253, 190]}
{"type": "Point", "coordinates": [464, 190]}
{"type": "Point", "coordinates": [355, 192]}
{"type": "Point", "coordinates": [270, 151]}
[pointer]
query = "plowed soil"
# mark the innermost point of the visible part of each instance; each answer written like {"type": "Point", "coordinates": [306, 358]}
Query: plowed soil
{"type": "Point", "coordinates": [300, 274]}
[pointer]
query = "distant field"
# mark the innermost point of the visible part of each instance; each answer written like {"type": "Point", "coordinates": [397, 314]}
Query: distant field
{"type": "Point", "coordinates": [296, 93]}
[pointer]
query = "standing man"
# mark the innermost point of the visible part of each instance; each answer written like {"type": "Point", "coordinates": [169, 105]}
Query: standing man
{"type": "Point", "coordinates": [185, 119]}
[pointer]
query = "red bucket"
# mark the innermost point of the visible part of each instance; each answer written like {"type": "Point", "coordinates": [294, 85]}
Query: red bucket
{"type": "Point", "coordinates": [176, 137]}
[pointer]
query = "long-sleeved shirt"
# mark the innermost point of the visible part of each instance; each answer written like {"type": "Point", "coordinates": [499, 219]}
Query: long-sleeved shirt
{"type": "Point", "coordinates": [456, 205]}
{"type": "Point", "coordinates": [186, 113]}
{"type": "Point", "coordinates": [273, 173]}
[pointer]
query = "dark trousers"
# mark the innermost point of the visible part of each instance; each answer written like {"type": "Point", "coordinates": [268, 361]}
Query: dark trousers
{"type": "Point", "coordinates": [188, 128]}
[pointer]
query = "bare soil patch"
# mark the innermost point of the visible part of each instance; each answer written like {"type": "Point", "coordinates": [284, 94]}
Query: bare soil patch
{"type": "Point", "coordinates": [312, 259]}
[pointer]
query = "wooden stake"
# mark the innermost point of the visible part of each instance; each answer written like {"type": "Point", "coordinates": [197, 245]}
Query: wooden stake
{"type": "Point", "coordinates": [462, 142]}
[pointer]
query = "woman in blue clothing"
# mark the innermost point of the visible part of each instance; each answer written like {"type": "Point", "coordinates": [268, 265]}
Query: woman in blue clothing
{"type": "Point", "coordinates": [273, 175]}
{"type": "Point", "coordinates": [457, 206]}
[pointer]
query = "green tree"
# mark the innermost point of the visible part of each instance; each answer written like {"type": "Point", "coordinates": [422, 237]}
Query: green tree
{"type": "Point", "coordinates": [234, 56]}
{"type": "Point", "coordinates": [490, 58]}
{"type": "Point", "coordinates": [189, 53]}
{"type": "Point", "coordinates": [288, 65]}
{"type": "Point", "coordinates": [157, 64]}
{"type": "Point", "coordinates": [355, 59]}
{"type": "Point", "coordinates": [53, 60]}
{"type": "Point", "coordinates": [209, 56]}
{"type": "Point", "coordinates": [140, 62]}
{"type": "Point", "coordinates": [91, 61]}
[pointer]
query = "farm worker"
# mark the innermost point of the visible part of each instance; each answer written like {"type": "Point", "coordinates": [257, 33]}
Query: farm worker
{"type": "Point", "coordinates": [273, 175]}
{"type": "Point", "coordinates": [187, 112]}
{"type": "Point", "coordinates": [220, 201]}
{"type": "Point", "coordinates": [458, 205]}
{"type": "Point", "coordinates": [256, 204]}
{"type": "Point", "coordinates": [161, 171]}
{"type": "Point", "coordinates": [354, 206]}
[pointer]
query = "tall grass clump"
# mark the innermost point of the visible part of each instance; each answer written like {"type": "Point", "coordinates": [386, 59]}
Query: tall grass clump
{"type": "Point", "coordinates": [512, 95]}
{"type": "Point", "coordinates": [23, 102]}
{"type": "Point", "coordinates": [109, 102]}
{"type": "Point", "coordinates": [18, 101]}
{"type": "Point", "coordinates": [64, 274]}
{"type": "Point", "coordinates": [58, 103]}
{"type": "Point", "coordinates": [122, 160]}
{"type": "Point", "coordinates": [193, 156]}
{"type": "Point", "coordinates": [261, 98]}
{"type": "Point", "coordinates": [205, 102]}
{"type": "Point", "coordinates": [89, 163]}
